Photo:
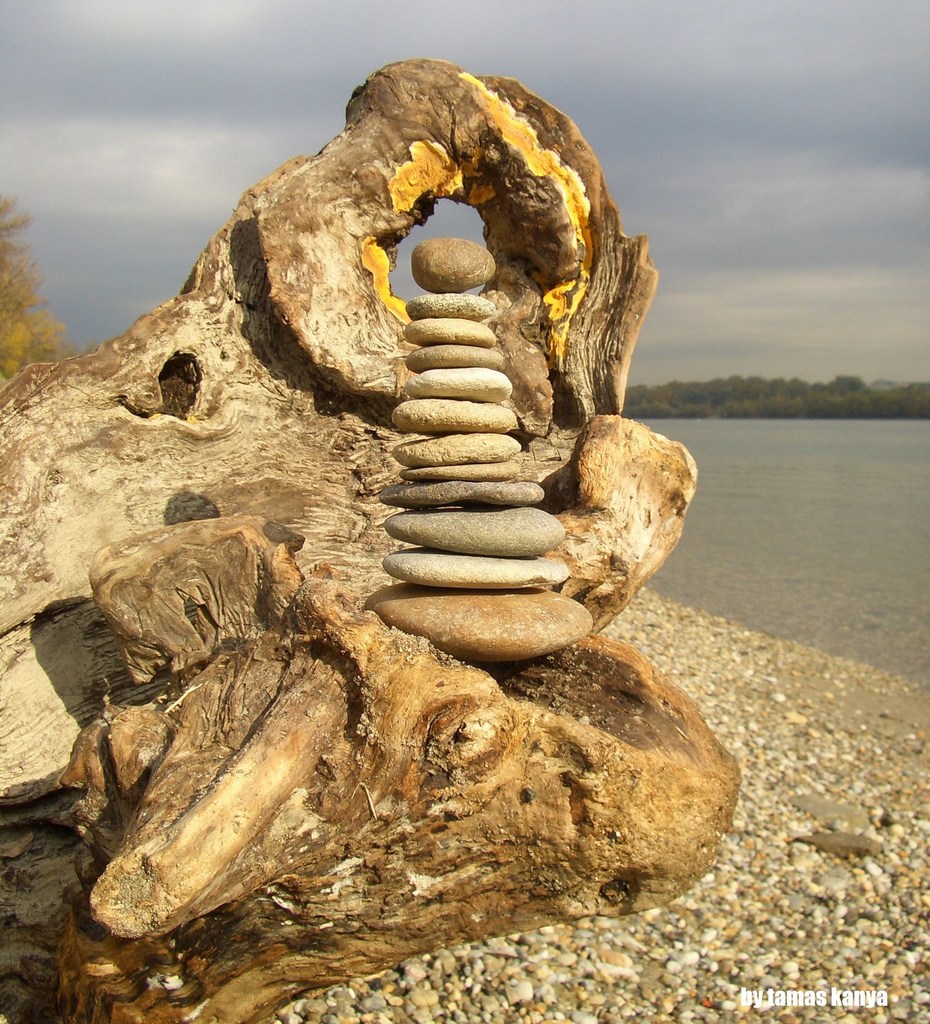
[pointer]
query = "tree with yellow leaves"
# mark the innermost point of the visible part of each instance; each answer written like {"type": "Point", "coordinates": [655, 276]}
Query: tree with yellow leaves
{"type": "Point", "coordinates": [28, 331]}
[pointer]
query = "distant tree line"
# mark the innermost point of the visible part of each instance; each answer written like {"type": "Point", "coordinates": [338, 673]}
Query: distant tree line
{"type": "Point", "coordinates": [757, 398]}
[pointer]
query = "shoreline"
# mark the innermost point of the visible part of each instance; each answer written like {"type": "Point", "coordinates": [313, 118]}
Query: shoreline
{"type": "Point", "coordinates": [826, 745]}
{"type": "Point", "coordinates": [807, 673]}
{"type": "Point", "coordinates": [833, 647]}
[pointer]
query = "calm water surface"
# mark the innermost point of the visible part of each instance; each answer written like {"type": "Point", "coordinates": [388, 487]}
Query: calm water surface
{"type": "Point", "coordinates": [814, 530]}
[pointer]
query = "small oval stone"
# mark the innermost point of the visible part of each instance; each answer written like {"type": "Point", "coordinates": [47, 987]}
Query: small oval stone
{"type": "Point", "coordinates": [508, 470]}
{"type": "Point", "coordinates": [484, 625]}
{"type": "Point", "coordinates": [440, 416]}
{"type": "Point", "coordinates": [457, 450]}
{"type": "Point", "coordinates": [461, 307]}
{"type": "Point", "coordinates": [510, 533]}
{"type": "Point", "coordinates": [462, 492]}
{"type": "Point", "coordinates": [452, 331]}
{"type": "Point", "coordinates": [470, 382]}
{"type": "Point", "coordinates": [451, 265]}
{"type": "Point", "coordinates": [442, 357]}
{"type": "Point", "coordinates": [441, 569]}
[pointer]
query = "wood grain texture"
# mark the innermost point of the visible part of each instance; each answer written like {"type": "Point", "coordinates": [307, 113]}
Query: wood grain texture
{"type": "Point", "coordinates": [339, 796]}
{"type": "Point", "coordinates": [195, 450]}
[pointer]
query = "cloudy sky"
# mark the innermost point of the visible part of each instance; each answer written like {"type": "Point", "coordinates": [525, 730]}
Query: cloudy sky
{"type": "Point", "coordinates": [775, 151]}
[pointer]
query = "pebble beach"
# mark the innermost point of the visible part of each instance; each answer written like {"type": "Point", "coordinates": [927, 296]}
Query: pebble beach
{"type": "Point", "coordinates": [818, 908]}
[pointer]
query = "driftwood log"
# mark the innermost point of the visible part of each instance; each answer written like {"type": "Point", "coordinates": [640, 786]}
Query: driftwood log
{"type": "Point", "coordinates": [273, 790]}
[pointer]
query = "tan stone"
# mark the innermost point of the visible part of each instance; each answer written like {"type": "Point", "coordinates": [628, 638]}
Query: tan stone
{"type": "Point", "coordinates": [451, 265]}
{"type": "Point", "coordinates": [483, 625]}
{"type": "Point", "coordinates": [457, 449]}
{"type": "Point", "coordinates": [434, 357]}
{"type": "Point", "coordinates": [449, 331]}
{"type": "Point", "coordinates": [442, 569]}
{"type": "Point", "coordinates": [474, 383]}
{"type": "Point", "coordinates": [509, 470]}
{"type": "Point", "coordinates": [464, 307]}
{"type": "Point", "coordinates": [441, 416]}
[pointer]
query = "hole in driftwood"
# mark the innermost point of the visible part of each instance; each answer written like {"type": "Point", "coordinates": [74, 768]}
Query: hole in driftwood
{"type": "Point", "coordinates": [179, 381]}
{"type": "Point", "coordinates": [622, 892]}
{"type": "Point", "coordinates": [448, 219]}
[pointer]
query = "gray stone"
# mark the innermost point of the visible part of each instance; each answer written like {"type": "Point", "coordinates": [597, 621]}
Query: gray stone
{"type": "Point", "coordinates": [450, 331]}
{"type": "Point", "coordinates": [478, 471]}
{"type": "Point", "coordinates": [837, 881]}
{"type": "Point", "coordinates": [520, 991]}
{"type": "Point", "coordinates": [436, 357]}
{"type": "Point", "coordinates": [441, 569]}
{"type": "Point", "coordinates": [831, 813]}
{"type": "Point", "coordinates": [441, 416]}
{"type": "Point", "coordinates": [461, 307]}
{"type": "Point", "coordinates": [484, 625]}
{"type": "Point", "coordinates": [457, 449]}
{"type": "Point", "coordinates": [842, 844]}
{"type": "Point", "coordinates": [470, 382]}
{"type": "Point", "coordinates": [451, 265]}
{"type": "Point", "coordinates": [462, 492]}
{"type": "Point", "coordinates": [512, 532]}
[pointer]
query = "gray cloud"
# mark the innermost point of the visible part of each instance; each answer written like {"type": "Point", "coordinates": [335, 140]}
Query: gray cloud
{"type": "Point", "coordinates": [776, 153]}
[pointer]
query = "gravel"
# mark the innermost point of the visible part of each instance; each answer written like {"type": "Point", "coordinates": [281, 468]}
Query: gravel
{"type": "Point", "coordinates": [776, 912]}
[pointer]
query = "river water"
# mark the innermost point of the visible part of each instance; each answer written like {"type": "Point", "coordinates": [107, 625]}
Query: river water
{"type": "Point", "coordinates": [812, 530]}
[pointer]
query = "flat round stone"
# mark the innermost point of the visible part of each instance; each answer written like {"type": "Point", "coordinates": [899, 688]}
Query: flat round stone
{"type": "Point", "coordinates": [451, 265]}
{"type": "Point", "coordinates": [470, 382]}
{"type": "Point", "coordinates": [449, 332]}
{"type": "Point", "coordinates": [440, 357]}
{"type": "Point", "coordinates": [484, 625]}
{"type": "Point", "coordinates": [457, 450]}
{"type": "Point", "coordinates": [509, 470]}
{"type": "Point", "coordinates": [461, 307]}
{"type": "Point", "coordinates": [440, 416]}
{"type": "Point", "coordinates": [462, 492]}
{"type": "Point", "coordinates": [440, 569]}
{"type": "Point", "coordinates": [509, 533]}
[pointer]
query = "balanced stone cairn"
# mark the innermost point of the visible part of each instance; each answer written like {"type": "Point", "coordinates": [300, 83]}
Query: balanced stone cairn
{"type": "Point", "coordinates": [475, 583]}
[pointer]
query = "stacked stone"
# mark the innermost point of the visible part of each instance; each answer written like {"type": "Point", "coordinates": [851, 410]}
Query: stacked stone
{"type": "Point", "coordinates": [474, 584]}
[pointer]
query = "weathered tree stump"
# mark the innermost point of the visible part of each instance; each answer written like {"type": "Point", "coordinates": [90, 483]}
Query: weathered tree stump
{"type": "Point", "coordinates": [335, 797]}
{"type": "Point", "coordinates": [276, 790]}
